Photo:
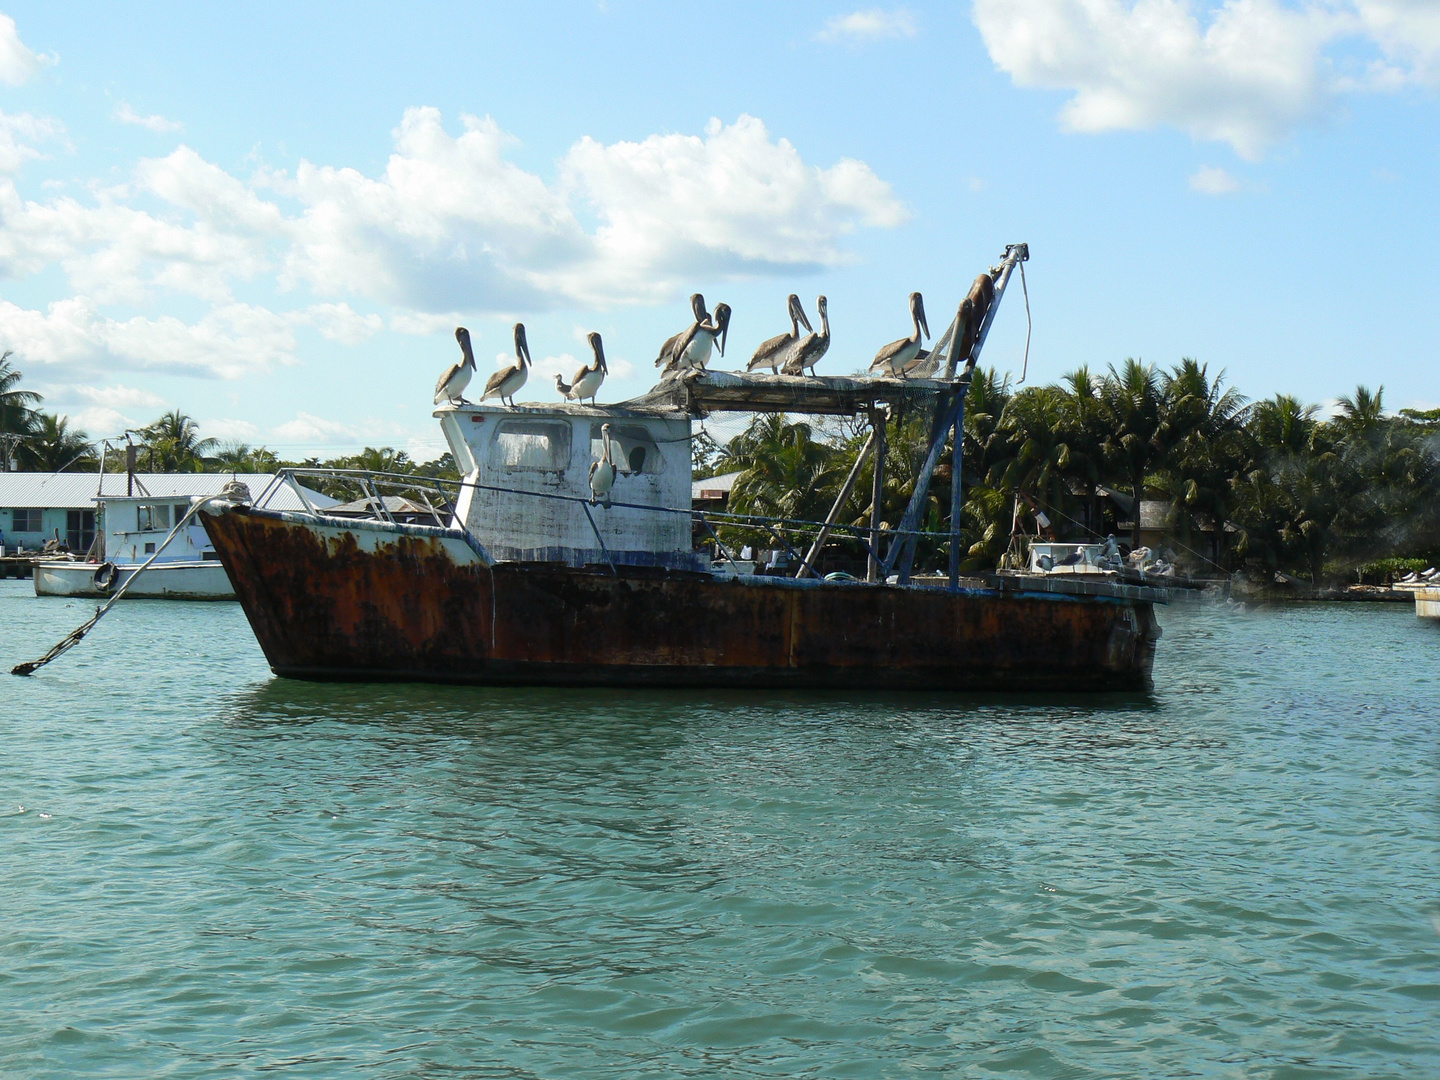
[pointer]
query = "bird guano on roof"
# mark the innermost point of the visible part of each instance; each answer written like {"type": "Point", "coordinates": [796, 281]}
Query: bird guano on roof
{"type": "Point", "coordinates": [705, 392]}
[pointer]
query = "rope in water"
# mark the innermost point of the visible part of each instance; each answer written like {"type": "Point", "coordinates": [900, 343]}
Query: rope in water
{"type": "Point", "coordinates": [234, 491]}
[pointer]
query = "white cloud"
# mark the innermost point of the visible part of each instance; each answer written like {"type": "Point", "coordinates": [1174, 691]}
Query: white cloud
{"type": "Point", "coordinates": [1408, 33]}
{"type": "Point", "coordinates": [17, 62]}
{"type": "Point", "coordinates": [1243, 72]}
{"type": "Point", "coordinates": [155, 122]}
{"type": "Point", "coordinates": [119, 397]}
{"type": "Point", "coordinates": [229, 341]}
{"type": "Point", "coordinates": [340, 322]}
{"type": "Point", "coordinates": [18, 131]}
{"type": "Point", "coordinates": [871, 24]}
{"type": "Point", "coordinates": [308, 430]}
{"type": "Point", "coordinates": [228, 430]}
{"type": "Point", "coordinates": [100, 421]}
{"type": "Point", "coordinates": [732, 203]}
{"type": "Point", "coordinates": [449, 226]}
{"type": "Point", "coordinates": [1211, 180]}
{"type": "Point", "coordinates": [1247, 77]}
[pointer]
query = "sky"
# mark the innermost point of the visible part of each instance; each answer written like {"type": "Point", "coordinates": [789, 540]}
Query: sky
{"type": "Point", "coordinates": [273, 216]}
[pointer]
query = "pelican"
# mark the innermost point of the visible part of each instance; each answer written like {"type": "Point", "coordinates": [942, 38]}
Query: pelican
{"type": "Point", "coordinates": [924, 366]}
{"type": "Point", "coordinates": [507, 381]}
{"type": "Point", "coordinates": [602, 472]}
{"type": "Point", "coordinates": [812, 347]}
{"type": "Point", "coordinates": [692, 351]}
{"type": "Point", "coordinates": [891, 360]}
{"type": "Point", "coordinates": [451, 386]}
{"type": "Point", "coordinates": [563, 387]}
{"type": "Point", "coordinates": [778, 349]}
{"type": "Point", "coordinates": [697, 305]}
{"type": "Point", "coordinates": [588, 379]}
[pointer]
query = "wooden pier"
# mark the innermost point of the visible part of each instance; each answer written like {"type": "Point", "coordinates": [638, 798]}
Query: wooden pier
{"type": "Point", "coordinates": [17, 566]}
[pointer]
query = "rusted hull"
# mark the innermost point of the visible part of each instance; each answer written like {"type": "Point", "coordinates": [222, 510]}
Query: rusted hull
{"type": "Point", "coordinates": [326, 607]}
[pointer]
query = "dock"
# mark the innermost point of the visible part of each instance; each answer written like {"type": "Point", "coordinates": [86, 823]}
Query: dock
{"type": "Point", "coordinates": [17, 566]}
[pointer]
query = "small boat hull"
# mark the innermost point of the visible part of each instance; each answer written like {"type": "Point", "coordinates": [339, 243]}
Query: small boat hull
{"type": "Point", "coordinates": [162, 581]}
{"type": "Point", "coordinates": [335, 601]}
{"type": "Point", "coordinates": [1427, 603]}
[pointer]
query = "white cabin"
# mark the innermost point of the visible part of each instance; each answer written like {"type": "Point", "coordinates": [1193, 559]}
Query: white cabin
{"type": "Point", "coordinates": [507, 455]}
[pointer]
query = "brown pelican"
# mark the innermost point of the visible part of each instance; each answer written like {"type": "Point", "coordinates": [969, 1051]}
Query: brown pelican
{"type": "Point", "coordinates": [778, 349]}
{"type": "Point", "coordinates": [451, 386]}
{"type": "Point", "coordinates": [507, 381]}
{"type": "Point", "coordinates": [697, 305]}
{"type": "Point", "coordinates": [692, 351]}
{"type": "Point", "coordinates": [588, 379]}
{"type": "Point", "coordinates": [812, 347]}
{"type": "Point", "coordinates": [891, 360]}
{"type": "Point", "coordinates": [602, 472]}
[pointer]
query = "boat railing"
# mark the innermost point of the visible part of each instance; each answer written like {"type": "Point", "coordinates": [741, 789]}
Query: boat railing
{"type": "Point", "coordinates": [372, 488]}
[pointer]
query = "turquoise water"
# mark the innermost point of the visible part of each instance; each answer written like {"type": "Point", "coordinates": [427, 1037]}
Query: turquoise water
{"type": "Point", "coordinates": [210, 872]}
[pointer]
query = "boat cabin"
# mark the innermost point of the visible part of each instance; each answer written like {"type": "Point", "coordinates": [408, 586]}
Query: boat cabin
{"type": "Point", "coordinates": [509, 456]}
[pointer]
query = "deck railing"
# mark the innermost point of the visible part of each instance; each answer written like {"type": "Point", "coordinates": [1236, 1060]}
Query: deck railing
{"type": "Point", "coordinates": [436, 498]}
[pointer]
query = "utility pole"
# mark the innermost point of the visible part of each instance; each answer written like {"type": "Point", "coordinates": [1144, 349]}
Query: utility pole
{"type": "Point", "coordinates": [10, 444]}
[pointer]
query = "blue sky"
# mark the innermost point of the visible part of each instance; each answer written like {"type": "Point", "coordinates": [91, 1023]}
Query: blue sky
{"type": "Point", "coordinates": [273, 216]}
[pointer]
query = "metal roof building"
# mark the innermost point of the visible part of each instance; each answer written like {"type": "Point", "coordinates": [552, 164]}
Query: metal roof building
{"type": "Point", "coordinates": [36, 507]}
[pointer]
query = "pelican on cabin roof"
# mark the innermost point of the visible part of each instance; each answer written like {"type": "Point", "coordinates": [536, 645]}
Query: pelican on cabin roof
{"type": "Point", "coordinates": [452, 384]}
{"type": "Point", "coordinates": [602, 472]}
{"type": "Point", "coordinates": [777, 350]}
{"type": "Point", "coordinates": [891, 360]}
{"type": "Point", "coordinates": [809, 350]}
{"type": "Point", "coordinates": [697, 307]}
{"type": "Point", "coordinates": [692, 351]}
{"type": "Point", "coordinates": [508, 380]}
{"type": "Point", "coordinates": [588, 378]}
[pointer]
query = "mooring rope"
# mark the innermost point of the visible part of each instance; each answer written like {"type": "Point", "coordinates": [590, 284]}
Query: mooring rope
{"type": "Point", "coordinates": [234, 491]}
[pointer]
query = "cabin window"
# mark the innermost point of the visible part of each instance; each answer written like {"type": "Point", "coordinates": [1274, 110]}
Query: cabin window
{"type": "Point", "coordinates": [209, 555]}
{"type": "Point", "coordinates": [632, 449]}
{"type": "Point", "coordinates": [79, 529]}
{"type": "Point", "coordinates": [149, 549]}
{"type": "Point", "coordinates": [152, 518]}
{"type": "Point", "coordinates": [532, 444]}
{"type": "Point", "coordinates": [181, 509]}
{"type": "Point", "coordinates": [27, 520]}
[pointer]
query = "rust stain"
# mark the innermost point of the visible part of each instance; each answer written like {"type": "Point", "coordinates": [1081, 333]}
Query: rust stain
{"type": "Point", "coordinates": [406, 610]}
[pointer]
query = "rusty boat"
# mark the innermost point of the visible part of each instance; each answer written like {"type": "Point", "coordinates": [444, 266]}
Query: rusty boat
{"type": "Point", "coordinates": [515, 575]}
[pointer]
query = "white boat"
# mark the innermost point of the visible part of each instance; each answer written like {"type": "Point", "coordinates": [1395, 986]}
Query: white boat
{"type": "Point", "coordinates": [133, 527]}
{"type": "Point", "coordinates": [1427, 602]}
{"type": "Point", "coordinates": [168, 580]}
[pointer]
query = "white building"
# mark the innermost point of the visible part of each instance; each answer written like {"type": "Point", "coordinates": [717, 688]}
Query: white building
{"type": "Point", "coordinates": [36, 507]}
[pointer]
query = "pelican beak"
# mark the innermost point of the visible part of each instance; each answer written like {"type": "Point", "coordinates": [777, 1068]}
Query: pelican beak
{"type": "Point", "coordinates": [599, 348]}
{"type": "Point", "coordinates": [920, 314]}
{"type": "Point", "coordinates": [799, 312]}
{"type": "Point", "coordinates": [522, 344]}
{"type": "Point", "coordinates": [722, 317]}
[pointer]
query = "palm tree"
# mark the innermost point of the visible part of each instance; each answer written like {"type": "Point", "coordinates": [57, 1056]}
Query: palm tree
{"type": "Point", "coordinates": [55, 446]}
{"type": "Point", "coordinates": [1200, 470]}
{"type": "Point", "coordinates": [1137, 428]}
{"type": "Point", "coordinates": [784, 472]}
{"type": "Point", "coordinates": [17, 412]}
{"type": "Point", "coordinates": [174, 445]}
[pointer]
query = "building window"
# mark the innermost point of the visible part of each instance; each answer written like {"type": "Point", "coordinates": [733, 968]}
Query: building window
{"type": "Point", "coordinates": [152, 518]}
{"type": "Point", "coordinates": [27, 520]}
{"type": "Point", "coordinates": [631, 448]}
{"type": "Point", "coordinates": [532, 444]}
{"type": "Point", "coordinates": [79, 529]}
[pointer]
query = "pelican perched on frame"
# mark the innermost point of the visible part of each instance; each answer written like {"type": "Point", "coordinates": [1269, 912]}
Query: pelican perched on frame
{"type": "Point", "coordinates": [508, 380]}
{"type": "Point", "coordinates": [891, 360]}
{"type": "Point", "coordinates": [691, 351]}
{"type": "Point", "coordinates": [588, 379]}
{"type": "Point", "coordinates": [778, 349]}
{"type": "Point", "coordinates": [602, 472]}
{"type": "Point", "coordinates": [810, 349]}
{"type": "Point", "coordinates": [697, 306]}
{"type": "Point", "coordinates": [451, 386]}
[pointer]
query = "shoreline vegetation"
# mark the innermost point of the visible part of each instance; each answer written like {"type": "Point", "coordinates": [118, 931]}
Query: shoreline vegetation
{"type": "Point", "coordinates": [1270, 487]}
